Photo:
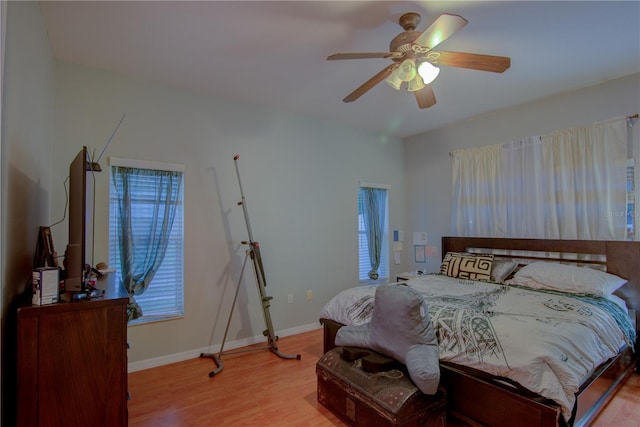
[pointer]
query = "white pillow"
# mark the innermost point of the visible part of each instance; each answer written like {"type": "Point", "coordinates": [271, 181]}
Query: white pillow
{"type": "Point", "coordinates": [568, 278]}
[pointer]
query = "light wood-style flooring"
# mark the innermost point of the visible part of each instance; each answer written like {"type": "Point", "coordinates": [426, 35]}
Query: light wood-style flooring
{"type": "Point", "coordinates": [257, 388]}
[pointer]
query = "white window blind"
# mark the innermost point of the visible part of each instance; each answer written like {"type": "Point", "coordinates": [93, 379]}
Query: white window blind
{"type": "Point", "coordinates": [631, 200]}
{"type": "Point", "coordinates": [165, 296]}
{"type": "Point", "coordinates": [364, 264]}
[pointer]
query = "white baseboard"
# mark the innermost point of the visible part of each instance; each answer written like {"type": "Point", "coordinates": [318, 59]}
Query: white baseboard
{"type": "Point", "coordinates": [192, 354]}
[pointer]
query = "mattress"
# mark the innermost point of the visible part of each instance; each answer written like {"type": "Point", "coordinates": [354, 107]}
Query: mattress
{"type": "Point", "coordinates": [546, 341]}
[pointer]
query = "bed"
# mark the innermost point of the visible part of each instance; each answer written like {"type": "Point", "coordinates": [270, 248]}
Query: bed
{"type": "Point", "coordinates": [481, 392]}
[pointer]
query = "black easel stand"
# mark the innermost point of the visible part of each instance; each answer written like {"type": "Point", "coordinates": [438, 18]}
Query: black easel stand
{"type": "Point", "coordinates": [252, 252]}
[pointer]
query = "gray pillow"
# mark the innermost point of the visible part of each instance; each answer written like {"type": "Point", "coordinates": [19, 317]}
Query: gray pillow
{"type": "Point", "coordinates": [401, 328]}
{"type": "Point", "coordinates": [502, 268]}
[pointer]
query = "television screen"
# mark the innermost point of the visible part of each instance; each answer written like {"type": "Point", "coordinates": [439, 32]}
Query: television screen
{"type": "Point", "coordinates": [74, 257]}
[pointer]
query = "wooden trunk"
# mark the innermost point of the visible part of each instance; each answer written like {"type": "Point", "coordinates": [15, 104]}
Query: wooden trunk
{"type": "Point", "coordinates": [375, 399]}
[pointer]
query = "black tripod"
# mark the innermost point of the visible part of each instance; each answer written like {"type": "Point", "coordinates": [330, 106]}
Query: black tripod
{"type": "Point", "coordinates": [253, 252]}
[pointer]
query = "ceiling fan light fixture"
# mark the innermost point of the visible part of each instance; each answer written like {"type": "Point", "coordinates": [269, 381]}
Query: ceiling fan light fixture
{"type": "Point", "coordinates": [407, 70]}
{"type": "Point", "coordinates": [415, 84]}
{"type": "Point", "coordinates": [415, 60]}
{"type": "Point", "coordinates": [428, 72]}
{"type": "Point", "coordinates": [393, 80]}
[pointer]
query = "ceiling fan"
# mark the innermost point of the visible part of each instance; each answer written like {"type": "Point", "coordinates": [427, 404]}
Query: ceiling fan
{"type": "Point", "coordinates": [415, 62]}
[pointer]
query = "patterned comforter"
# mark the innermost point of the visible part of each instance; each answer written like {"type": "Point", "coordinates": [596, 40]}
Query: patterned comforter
{"type": "Point", "coordinates": [549, 342]}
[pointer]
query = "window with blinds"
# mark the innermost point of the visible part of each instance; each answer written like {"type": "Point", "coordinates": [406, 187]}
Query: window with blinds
{"type": "Point", "coordinates": [631, 200]}
{"type": "Point", "coordinates": [164, 297]}
{"type": "Point", "coordinates": [364, 264]}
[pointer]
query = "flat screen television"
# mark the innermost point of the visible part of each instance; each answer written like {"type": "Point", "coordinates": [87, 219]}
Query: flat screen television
{"type": "Point", "coordinates": [80, 223]}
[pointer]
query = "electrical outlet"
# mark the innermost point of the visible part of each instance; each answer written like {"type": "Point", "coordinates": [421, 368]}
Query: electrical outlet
{"type": "Point", "coordinates": [290, 298]}
{"type": "Point", "coordinates": [309, 295]}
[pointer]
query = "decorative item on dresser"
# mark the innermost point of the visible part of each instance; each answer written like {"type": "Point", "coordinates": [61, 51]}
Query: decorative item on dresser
{"type": "Point", "coordinates": [72, 361]}
{"type": "Point", "coordinates": [476, 396]}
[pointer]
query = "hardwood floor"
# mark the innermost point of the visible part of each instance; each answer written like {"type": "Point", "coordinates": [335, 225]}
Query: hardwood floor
{"type": "Point", "coordinates": [258, 388]}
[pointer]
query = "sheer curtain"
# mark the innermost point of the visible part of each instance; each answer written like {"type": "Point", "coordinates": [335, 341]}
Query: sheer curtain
{"type": "Point", "coordinates": [143, 239]}
{"type": "Point", "coordinates": [566, 185]}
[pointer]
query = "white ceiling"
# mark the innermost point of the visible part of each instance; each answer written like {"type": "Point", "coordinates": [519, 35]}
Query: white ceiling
{"type": "Point", "coordinates": [274, 53]}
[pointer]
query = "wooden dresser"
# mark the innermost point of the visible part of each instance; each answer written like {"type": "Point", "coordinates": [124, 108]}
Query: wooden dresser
{"type": "Point", "coordinates": [72, 362]}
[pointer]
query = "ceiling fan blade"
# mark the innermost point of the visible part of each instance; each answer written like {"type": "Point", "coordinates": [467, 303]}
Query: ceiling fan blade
{"type": "Point", "coordinates": [369, 84]}
{"type": "Point", "coordinates": [359, 55]}
{"type": "Point", "coordinates": [443, 27]}
{"type": "Point", "coordinates": [495, 64]}
{"type": "Point", "coordinates": [425, 97]}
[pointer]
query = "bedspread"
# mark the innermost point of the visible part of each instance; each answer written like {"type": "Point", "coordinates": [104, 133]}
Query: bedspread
{"type": "Point", "coordinates": [549, 342]}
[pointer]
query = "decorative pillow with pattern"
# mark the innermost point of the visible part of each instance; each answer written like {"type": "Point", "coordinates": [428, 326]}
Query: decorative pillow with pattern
{"type": "Point", "coordinates": [467, 266]}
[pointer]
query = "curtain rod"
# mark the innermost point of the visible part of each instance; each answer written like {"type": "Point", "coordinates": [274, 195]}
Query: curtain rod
{"type": "Point", "coordinates": [635, 116]}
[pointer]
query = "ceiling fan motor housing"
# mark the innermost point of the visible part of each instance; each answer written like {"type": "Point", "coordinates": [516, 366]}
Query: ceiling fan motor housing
{"type": "Point", "coordinates": [409, 21]}
{"type": "Point", "coordinates": [402, 42]}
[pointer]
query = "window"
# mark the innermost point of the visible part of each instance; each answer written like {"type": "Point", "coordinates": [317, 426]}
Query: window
{"type": "Point", "coordinates": [365, 265]}
{"type": "Point", "coordinates": [154, 235]}
{"type": "Point", "coordinates": [631, 200]}
{"type": "Point", "coordinates": [570, 184]}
